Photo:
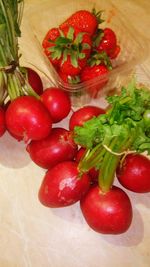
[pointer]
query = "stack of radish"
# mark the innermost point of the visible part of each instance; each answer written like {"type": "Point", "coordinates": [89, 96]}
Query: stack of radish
{"type": "Point", "coordinates": [67, 179]}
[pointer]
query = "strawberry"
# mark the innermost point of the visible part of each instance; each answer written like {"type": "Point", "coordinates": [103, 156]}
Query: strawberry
{"type": "Point", "coordinates": [50, 37]}
{"type": "Point", "coordinates": [73, 48]}
{"type": "Point", "coordinates": [91, 72]}
{"type": "Point", "coordinates": [106, 41]}
{"type": "Point", "coordinates": [69, 79]}
{"type": "Point", "coordinates": [69, 69]}
{"type": "Point", "coordinates": [97, 58]}
{"type": "Point", "coordinates": [84, 20]}
{"type": "Point", "coordinates": [116, 52]}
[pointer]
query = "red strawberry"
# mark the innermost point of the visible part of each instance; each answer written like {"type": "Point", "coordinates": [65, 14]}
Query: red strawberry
{"type": "Point", "coordinates": [51, 35]}
{"type": "Point", "coordinates": [84, 20]}
{"type": "Point", "coordinates": [97, 58]}
{"type": "Point", "coordinates": [91, 72]}
{"type": "Point", "coordinates": [73, 48]}
{"type": "Point", "coordinates": [71, 67]}
{"type": "Point", "coordinates": [68, 68]}
{"type": "Point", "coordinates": [106, 41]}
{"type": "Point", "coordinates": [48, 42]}
{"type": "Point", "coordinates": [116, 52]}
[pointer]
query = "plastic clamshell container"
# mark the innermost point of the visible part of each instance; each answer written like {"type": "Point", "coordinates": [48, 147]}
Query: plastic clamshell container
{"type": "Point", "coordinates": [49, 14]}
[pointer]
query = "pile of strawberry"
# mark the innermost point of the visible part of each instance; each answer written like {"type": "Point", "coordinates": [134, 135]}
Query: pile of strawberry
{"type": "Point", "coordinates": [80, 50]}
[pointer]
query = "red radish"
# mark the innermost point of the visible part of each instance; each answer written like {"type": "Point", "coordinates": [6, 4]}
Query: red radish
{"type": "Point", "coordinates": [63, 186]}
{"type": "Point", "coordinates": [134, 173]}
{"type": "Point", "coordinates": [27, 117]}
{"type": "Point", "coordinates": [5, 105]}
{"type": "Point", "coordinates": [57, 147]}
{"type": "Point", "coordinates": [2, 121]}
{"type": "Point", "coordinates": [18, 138]}
{"type": "Point", "coordinates": [57, 102]}
{"type": "Point", "coordinates": [80, 154]}
{"type": "Point", "coordinates": [93, 173]}
{"type": "Point", "coordinates": [34, 80]}
{"type": "Point", "coordinates": [84, 114]}
{"type": "Point", "coordinates": [107, 213]}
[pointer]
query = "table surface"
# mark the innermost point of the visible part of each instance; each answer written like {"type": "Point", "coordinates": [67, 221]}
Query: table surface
{"type": "Point", "coordinates": [34, 236]}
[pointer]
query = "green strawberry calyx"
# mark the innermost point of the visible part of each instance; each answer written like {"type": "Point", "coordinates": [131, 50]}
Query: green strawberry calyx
{"type": "Point", "coordinates": [69, 45]}
{"type": "Point", "coordinates": [98, 58]}
{"type": "Point", "coordinates": [97, 37]}
{"type": "Point", "coordinates": [98, 15]}
{"type": "Point", "coordinates": [74, 80]}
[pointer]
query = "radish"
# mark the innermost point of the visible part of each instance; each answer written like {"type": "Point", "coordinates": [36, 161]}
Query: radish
{"type": "Point", "coordinates": [134, 173]}
{"type": "Point", "coordinates": [63, 185]}
{"type": "Point", "coordinates": [27, 117]}
{"type": "Point", "coordinates": [34, 80]}
{"type": "Point", "coordinates": [84, 114]}
{"type": "Point", "coordinates": [107, 213]}
{"type": "Point", "coordinates": [57, 147]}
{"type": "Point", "coordinates": [2, 122]}
{"type": "Point", "coordinates": [107, 138]}
{"type": "Point", "coordinates": [57, 102]}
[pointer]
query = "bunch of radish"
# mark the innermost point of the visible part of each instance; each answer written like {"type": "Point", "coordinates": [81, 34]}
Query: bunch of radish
{"type": "Point", "coordinates": [73, 171]}
{"type": "Point", "coordinates": [23, 105]}
{"type": "Point", "coordinates": [78, 171]}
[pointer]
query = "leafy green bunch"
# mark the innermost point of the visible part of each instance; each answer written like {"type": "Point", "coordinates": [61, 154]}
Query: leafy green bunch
{"type": "Point", "coordinates": [124, 127]}
{"type": "Point", "coordinates": [12, 82]}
